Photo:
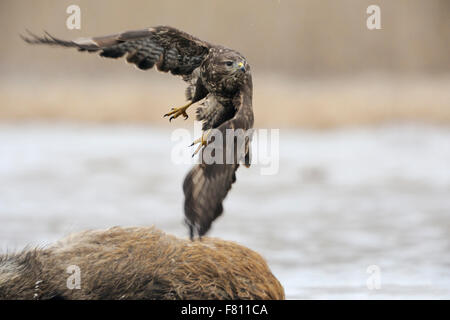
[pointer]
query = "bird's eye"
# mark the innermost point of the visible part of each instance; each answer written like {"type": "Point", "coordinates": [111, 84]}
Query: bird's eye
{"type": "Point", "coordinates": [229, 63]}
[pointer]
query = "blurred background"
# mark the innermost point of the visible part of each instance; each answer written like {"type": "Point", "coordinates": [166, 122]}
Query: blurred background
{"type": "Point", "coordinates": [363, 115]}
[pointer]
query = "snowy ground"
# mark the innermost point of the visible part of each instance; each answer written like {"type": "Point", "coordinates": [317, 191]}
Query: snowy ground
{"type": "Point", "coordinates": [342, 201]}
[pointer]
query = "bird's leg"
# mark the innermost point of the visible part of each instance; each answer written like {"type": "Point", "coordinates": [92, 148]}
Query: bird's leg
{"type": "Point", "coordinates": [176, 112]}
{"type": "Point", "coordinates": [203, 140]}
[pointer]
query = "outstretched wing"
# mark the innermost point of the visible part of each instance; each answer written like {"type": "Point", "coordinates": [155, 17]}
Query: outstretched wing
{"type": "Point", "coordinates": [206, 185]}
{"type": "Point", "coordinates": [166, 47]}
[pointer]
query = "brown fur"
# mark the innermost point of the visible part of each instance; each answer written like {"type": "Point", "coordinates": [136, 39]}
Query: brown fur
{"type": "Point", "coordinates": [138, 263]}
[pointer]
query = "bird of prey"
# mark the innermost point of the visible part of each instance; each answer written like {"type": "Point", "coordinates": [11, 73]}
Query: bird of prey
{"type": "Point", "coordinates": [217, 76]}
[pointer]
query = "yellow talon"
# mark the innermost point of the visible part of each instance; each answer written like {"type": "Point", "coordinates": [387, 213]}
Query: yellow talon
{"type": "Point", "coordinates": [203, 140]}
{"type": "Point", "coordinates": [176, 112]}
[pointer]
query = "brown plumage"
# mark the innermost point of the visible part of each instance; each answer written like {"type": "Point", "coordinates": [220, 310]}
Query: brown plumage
{"type": "Point", "coordinates": [219, 75]}
{"type": "Point", "coordinates": [138, 263]}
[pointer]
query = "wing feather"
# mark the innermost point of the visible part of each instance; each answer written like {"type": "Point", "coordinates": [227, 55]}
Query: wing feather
{"type": "Point", "coordinates": [170, 49]}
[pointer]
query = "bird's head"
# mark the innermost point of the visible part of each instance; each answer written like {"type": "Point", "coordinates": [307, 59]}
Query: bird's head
{"type": "Point", "coordinates": [236, 65]}
{"type": "Point", "coordinates": [225, 70]}
{"type": "Point", "coordinates": [233, 64]}
{"type": "Point", "coordinates": [228, 62]}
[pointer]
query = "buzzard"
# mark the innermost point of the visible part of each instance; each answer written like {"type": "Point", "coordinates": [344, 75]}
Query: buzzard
{"type": "Point", "coordinates": [217, 76]}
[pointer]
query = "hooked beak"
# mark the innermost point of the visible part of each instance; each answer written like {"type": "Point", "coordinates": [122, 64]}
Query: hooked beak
{"type": "Point", "coordinates": [241, 66]}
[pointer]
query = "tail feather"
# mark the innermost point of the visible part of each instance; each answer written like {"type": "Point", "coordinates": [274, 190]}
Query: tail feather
{"type": "Point", "coordinates": [205, 187]}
